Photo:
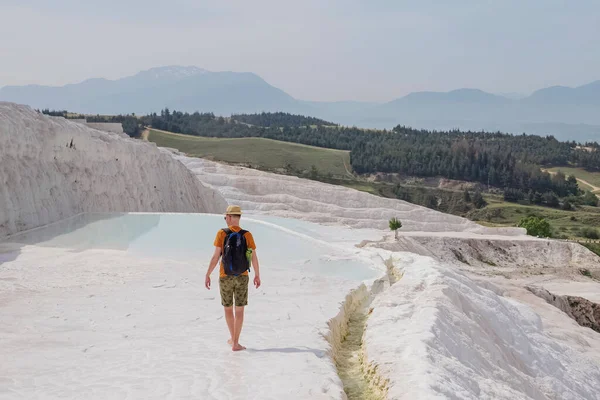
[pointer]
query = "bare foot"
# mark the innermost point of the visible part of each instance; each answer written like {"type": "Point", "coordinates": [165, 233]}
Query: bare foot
{"type": "Point", "coordinates": [237, 347]}
{"type": "Point", "coordinates": [230, 342]}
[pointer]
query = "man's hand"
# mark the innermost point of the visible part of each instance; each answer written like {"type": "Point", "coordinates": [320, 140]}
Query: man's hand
{"type": "Point", "coordinates": [257, 281]}
{"type": "Point", "coordinates": [213, 263]}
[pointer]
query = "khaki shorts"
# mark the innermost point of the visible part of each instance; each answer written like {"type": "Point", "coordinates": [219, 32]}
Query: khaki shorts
{"type": "Point", "coordinates": [234, 287]}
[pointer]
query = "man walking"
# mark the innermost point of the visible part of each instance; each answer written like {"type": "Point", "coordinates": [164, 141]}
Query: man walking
{"type": "Point", "coordinates": [237, 248]}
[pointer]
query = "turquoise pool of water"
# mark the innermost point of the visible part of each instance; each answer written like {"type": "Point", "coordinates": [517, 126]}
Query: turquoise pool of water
{"type": "Point", "coordinates": [190, 237]}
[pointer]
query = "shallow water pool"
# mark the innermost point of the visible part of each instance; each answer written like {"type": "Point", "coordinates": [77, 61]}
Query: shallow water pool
{"type": "Point", "coordinates": [185, 237]}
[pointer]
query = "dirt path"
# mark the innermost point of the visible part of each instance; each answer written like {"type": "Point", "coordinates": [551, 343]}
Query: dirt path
{"type": "Point", "coordinates": [348, 171]}
{"type": "Point", "coordinates": [595, 189]}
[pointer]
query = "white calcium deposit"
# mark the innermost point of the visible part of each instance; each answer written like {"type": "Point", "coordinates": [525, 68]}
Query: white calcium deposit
{"type": "Point", "coordinates": [497, 254]}
{"type": "Point", "coordinates": [52, 168]}
{"type": "Point", "coordinates": [100, 323]}
{"type": "Point", "coordinates": [137, 322]}
{"type": "Point", "coordinates": [289, 196]}
{"type": "Point", "coordinates": [438, 334]}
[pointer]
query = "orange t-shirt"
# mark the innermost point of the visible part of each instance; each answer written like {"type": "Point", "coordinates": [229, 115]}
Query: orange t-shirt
{"type": "Point", "coordinates": [220, 238]}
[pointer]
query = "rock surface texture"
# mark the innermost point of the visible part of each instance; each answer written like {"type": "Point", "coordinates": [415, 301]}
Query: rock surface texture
{"type": "Point", "coordinates": [52, 168]}
{"type": "Point", "coordinates": [585, 312]}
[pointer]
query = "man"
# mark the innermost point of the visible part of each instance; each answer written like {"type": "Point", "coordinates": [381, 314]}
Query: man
{"type": "Point", "coordinates": [234, 244]}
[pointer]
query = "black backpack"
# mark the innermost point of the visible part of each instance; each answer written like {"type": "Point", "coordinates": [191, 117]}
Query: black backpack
{"type": "Point", "coordinates": [234, 253]}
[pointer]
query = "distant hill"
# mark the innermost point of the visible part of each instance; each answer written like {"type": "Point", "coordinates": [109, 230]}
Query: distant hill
{"type": "Point", "coordinates": [183, 88]}
{"type": "Point", "coordinates": [464, 96]}
{"type": "Point", "coordinates": [583, 95]}
{"type": "Point", "coordinates": [567, 113]}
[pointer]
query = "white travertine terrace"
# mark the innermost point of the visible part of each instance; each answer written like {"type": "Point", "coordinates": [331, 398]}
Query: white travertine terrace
{"type": "Point", "coordinates": [95, 314]}
{"type": "Point", "coordinates": [52, 168]}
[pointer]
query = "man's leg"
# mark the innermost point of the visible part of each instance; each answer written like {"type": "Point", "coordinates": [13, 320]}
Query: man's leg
{"type": "Point", "coordinates": [239, 321]}
{"type": "Point", "coordinates": [241, 300]}
{"type": "Point", "coordinates": [226, 288]}
{"type": "Point", "coordinates": [230, 323]}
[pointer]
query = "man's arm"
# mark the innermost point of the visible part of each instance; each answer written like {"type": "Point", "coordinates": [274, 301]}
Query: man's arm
{"type": "Point", "coordinates": [256, 269]}
{"type": "Point", "coordinates": [211, 266]}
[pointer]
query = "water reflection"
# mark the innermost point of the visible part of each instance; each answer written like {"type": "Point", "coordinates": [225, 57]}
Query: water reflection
{"type": "Point", "coordinates": [91, 231]}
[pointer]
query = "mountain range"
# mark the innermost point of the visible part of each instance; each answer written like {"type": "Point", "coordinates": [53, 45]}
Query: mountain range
{"type": "Point", "coordinates": [567, 113]}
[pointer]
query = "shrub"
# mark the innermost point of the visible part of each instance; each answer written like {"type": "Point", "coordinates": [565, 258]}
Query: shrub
{"type": "Point", "coordinates": [536, 226]}
{"type": "Point", "coordinates": [590, 199]}
{"type": "Point", "coordinates": [478, 200]}
{"type": "Point", "coordinates": [551, 199]}
{"type": "Point", "coordinates": [590, 233]}
{"type": "Point", "coordinates": [395, 224]}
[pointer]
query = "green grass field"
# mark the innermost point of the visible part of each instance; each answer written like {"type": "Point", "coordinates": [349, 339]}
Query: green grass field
{"type": "Point", "coordinates": [363, 187]}
{"type": "Point", "coordinates": [594, 247]}
{"type": "Point", "coordinates": [592, 178]}
{"type": "Point", "coordinates": [259, 153]}
{"type": "Point", "coordinates": [567, 224]}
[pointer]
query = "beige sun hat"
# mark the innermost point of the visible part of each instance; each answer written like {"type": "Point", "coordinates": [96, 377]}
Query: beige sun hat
{"type": "Point", "coordinates": [233, 210]}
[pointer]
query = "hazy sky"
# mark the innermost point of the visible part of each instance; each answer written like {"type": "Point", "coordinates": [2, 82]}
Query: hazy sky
{"type": "Point", "coordinates": [374, 50]}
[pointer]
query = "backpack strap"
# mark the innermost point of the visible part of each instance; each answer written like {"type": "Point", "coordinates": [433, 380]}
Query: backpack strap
{"type": "Point", "coordinates": [242, 233]}
{"type": "Point", "coordinates": [227, 233]}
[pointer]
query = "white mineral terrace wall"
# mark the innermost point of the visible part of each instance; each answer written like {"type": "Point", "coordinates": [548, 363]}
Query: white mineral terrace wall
{"type": "Point", "coordinates": [52, 168]}
{"type": "Point", "coordinates": [289, 196]}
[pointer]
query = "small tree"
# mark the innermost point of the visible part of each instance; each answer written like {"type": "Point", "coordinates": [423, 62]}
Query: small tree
{"type": "Point", "coordinates": [395, 224]}
{"type": "Point", "coordinates": [590, 199]}
{"type": "Point", "coordinates": [430, 201]}
{"type": "Point", "coordinates": [289, 168]}
{"type": "Point", "coordinates": [551, 199]}
{"type": "Point", "coordinates": [314, 172]}
{"type": "Point", "coordinates": [513, 195]}
{"type": "Point", "coordinates": [590, 233]}
{"type": "Point", "coordinates": [567, 206]}
{"type": "Point", "coordinates": [572, 186]}
{"type": "Point", "coordinates": [536, 226]}
{"type": "Point", "coordinates": [466, 196]}
{"type": "Point", "coordinates": [478, 200]}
